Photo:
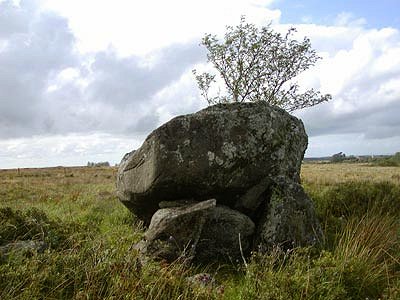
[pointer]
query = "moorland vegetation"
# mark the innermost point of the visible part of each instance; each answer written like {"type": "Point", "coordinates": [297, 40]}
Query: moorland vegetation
{"type": "Point", "coordinates": [89, 237]}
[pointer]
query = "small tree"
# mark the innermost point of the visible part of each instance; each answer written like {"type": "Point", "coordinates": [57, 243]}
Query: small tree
{"type": "Point", "coordinates": [259, 65]}
{"type": "Point", "coordinates": [338, 157]}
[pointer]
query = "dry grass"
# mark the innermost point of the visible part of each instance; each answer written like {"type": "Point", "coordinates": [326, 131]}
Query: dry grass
{"type": "Point", "coordinates": [370, 247]}
{"type": "Point", "coordinates": [329, 174]}
{"type": "Point", "coordinates": [91, 235]}
{"type": "Point", "coordinates": [49, 188]}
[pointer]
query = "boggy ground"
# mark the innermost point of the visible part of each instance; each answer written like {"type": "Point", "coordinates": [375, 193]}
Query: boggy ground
{"type": "Point", "coordinates": [89, 237]}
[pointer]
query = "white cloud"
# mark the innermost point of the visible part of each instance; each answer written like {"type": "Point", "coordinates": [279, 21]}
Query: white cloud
{"type": "Point", "coordinates": [69, 150]}
{"type": "Point", "coordinates": [132, 73]}
{"type": "Point", "coordinates": [347, 19]}
{"type": "Point", "coordinates": [179, 98]}
{"type": "Point", "coordinates": [363, 78]}
{"type": "Point", "coordinates": [37, 47]}
{"type": "Point", "coordinates": [138, 27]}
{"type": "Point", "coordinates": [48, 88]}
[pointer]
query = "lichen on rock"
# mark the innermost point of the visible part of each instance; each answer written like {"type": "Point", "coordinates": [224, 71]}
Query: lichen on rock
{"type": "Point", "coordinates": [246, 156]}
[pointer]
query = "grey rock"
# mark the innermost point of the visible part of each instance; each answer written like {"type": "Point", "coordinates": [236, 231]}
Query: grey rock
{"type": "Point", "coordinates": [174, 232]}
{"type": "Point", "coordinates": [200, 231]}
{"type": "Point", "coordinates": [289, 219]}
{"type": "Point", "coordinates": [22, 247]}
{"type": "Point", "coordinates": [253, 198]}
{"type": "Point", "coordinates": [247, 157]}
{"type": "Point", "coordinates": [205, 283]}
{"type": "Point", "coordinates": [219, 152]}
{"type": "Point", "coordinates": [176, 203]}
{"type": "Point", "coordinates": [227, 235]}
{"type": "Point", "coordinates": [202, 280]}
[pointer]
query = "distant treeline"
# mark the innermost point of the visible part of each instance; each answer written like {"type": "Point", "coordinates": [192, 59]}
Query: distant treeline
{"type": "Point", "coordinates": [98, 164]}
{"type": "Point", "coordinates": [377, 160]}
{"type": "Point", "coordinates": [391, 161]}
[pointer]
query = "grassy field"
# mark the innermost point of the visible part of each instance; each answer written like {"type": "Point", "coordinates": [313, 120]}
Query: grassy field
{"type": "Point", "coordinates": [88, 238]}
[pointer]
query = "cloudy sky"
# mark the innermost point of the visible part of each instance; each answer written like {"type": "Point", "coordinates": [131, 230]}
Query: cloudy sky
{"type": "Point", "coordinates": [88, 80]}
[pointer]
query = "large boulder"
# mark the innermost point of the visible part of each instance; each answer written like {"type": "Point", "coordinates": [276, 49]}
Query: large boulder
{"type": "Point", "coordinates": [219, 152]}
{"type": "Point", "coordinates": [246, 156]}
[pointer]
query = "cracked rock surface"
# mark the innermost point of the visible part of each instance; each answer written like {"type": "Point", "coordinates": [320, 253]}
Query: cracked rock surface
{"type": "Point", "coordinates": [246, 156]}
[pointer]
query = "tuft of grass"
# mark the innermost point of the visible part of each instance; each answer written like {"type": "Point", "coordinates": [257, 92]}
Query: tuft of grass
{"type": "Point", "coordinates": [364, 265]}
{"type": "Point", "coordinates": [337, 204]}
{"type": "Point", "coordinates": [34, 224]}
{"type": "Point", "coordinates": [366, 254]}
{"type": "Point", "coordinates": [97, 269]}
